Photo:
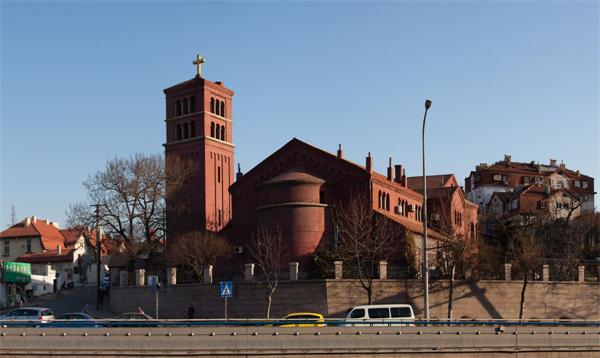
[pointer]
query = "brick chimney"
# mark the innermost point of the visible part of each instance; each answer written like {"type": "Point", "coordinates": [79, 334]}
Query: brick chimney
{"type": "Point", "coordinates": [398, 173]}
{"type": "Point", "coordinates": [340, 154]}
{"type": "Point", "coordinates": [58, 250]}
{"type": "Point", "coordinates": [552, 162]}
{"type": "Point", "coordinates": [33, 219]}
{"type": "Point", "coordinates": [369, 163]}
{"type": "Point", "coordinates": [27, 221]}
{"type": "Point", "coordinates": [389, 170]}
{"type": "Point", "coordinates": [404, 179]}
{"type": "Point", "coordinates": [563, 166]}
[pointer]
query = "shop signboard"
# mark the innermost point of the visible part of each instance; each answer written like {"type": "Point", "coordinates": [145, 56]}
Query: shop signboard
{"type": "Point", "coordinates": [16, 272]}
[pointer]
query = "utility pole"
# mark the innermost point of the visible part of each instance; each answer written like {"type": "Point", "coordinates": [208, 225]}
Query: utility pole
{"type": "Point", "coordinates": [98, 255]}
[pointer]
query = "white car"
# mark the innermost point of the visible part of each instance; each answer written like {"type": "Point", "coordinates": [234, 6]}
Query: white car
{"type": "Point", "coordinates": [381, 315]}
{"type": "Point", "coordinates": [33, 314]}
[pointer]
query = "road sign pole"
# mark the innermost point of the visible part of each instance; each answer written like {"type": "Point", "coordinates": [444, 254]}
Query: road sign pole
{"type": "Point", "coordinates": [226, 308]}
{"type": "Point", "coordinates": [156, 301]}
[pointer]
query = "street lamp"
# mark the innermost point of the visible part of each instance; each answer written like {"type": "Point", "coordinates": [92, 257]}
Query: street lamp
{"type": "Point", "coordinates": [425, 267]}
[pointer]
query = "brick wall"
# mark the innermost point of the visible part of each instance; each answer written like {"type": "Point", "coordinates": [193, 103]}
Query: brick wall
{"type": "Point", "coordinates": [483, 299]}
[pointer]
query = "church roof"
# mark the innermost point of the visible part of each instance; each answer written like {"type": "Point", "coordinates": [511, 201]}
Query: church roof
{"type": "Point", "coordinates": [433, 181]}
{"type": "Point", "coordinates": [295, 176]}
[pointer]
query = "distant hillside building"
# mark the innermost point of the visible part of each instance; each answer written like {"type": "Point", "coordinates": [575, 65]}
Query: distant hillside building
{"type": "Point", "coordinates": [507, 176]}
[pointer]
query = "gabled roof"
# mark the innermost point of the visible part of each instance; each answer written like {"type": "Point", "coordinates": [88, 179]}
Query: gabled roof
{"type": "Point", "coordinates": [294, 142]}
{"type": "Point", "coordinates": [433, 181]}
{"type": "Point", "coordinates": [71, 235]}
{"type": "Point", "coordinates": [50, 235]}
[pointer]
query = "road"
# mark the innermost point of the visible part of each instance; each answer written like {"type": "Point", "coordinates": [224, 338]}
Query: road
{"type": "Point", "coordinates": [304, 341]}
{"type": "Point", "coordinates": [74, 300]}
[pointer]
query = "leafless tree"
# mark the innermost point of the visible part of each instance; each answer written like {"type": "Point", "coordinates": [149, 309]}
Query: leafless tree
{"type": "Point", "coordinates": [196, 250]}
{"type": "Point", "coordinates": [131, 193]}
{"type": "Point", "coordinates": [364, 238]}
{"type": "Point", "coordinates": [265, 248]}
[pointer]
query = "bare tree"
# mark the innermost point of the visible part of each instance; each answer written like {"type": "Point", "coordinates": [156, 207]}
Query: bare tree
{"type": "Point", "coordinates": [131, 193]}
{"type": "Point", "coordinates": [265, 249]}
{"type": "Point", "coordinates": [364, 238]}
{"type": "Point", "coordinates": [196, 250]}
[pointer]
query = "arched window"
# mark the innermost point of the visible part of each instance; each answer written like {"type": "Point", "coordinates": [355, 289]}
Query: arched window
{"type": "Point", "coordinates": [218, 132]}
{"type": "Point", "coordinates": [185, 106]}
{"type": "Point", "coordinates": [192, 104]}
{"type": "Point", "coordinates": [223, 109]}
{"type": "Point", "coordinates": [212, 105]}
{"type": "Point", "coordinates": [387, 202]}
{"type": "Point", "coordinates": [186, 131]}
{"type": "Point", "coordinates": [217, 107]}
{"type": "Point", "coordinates": [178, 108]}
{"type": "Point", "coordinates": [212, 129]}
{"type": "Point", "coordinates": [193, 129]}
{"type": "Point", "coordinates": [179, 132]}
{"type": "Point", "coordinates": [379, 200]}
{"type": "Point", "coordinates": [223, 133]}
{"type": "Point", "coordinates": [472, 231]}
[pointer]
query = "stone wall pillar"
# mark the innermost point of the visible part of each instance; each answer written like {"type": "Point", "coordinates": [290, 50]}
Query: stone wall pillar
{"type": "Point", "coordinates": [207, 274]}
{"type": "Point", "coordinates": [249, 272]}
{"type": "Point", "coordinates": [383, 270]}
{"type": "Point", "coordinates": [338, 265]}
{"type": "Point", "coordinates": [581, 276]}
{"type": "Point", "coordinates": [140, 277]}
{"type": "Point", "coordinates": [294, 268]}
{"type": "Point", "coordinates": [114, 276]}
{"type": "Point", "coordinates": [171, 276]}
{"type": "Point", "coordinates": [546, 273]}
{"type": "Point", "coordinates": [507, 272]}
{"type": "Point", "coordinates": [123, 278]}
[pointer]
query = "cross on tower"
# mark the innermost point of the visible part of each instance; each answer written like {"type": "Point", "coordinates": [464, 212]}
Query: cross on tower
{"type": "Point", "coordinates": [198, 62]}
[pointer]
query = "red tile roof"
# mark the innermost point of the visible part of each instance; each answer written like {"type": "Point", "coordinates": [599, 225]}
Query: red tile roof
{"type": "Point", "coordinates": [50, 235]}
{"type": "Point", "coordinates": [50, 256]}
{"type": "Point", "coordinates": [433, 181]}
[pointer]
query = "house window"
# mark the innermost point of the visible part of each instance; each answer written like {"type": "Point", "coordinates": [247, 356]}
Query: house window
{"type": "Point", "coordinates": [577, 184]}
{"type": "Point", "coordinates": [212, 105]}
{"type": "Point", "coordinates": [185, 106]}
{"type": "Point", "coordinates": [186, 131]}
{"type": "Point", "coordinates": [6, 248]}
{"type": "Point", "coordinates": [321, 197]}
{"type": "Point", "coordinates": [219, 218]}
{"type": "Point", "coordinates": [178, 108]}
{"type": "Point", "coordinates": [193, 129]}
{"type": "Point", "coordinates": [526, 180]}
{"type": "Point", "coordinates": [584, 184]}
{"type": "Point", "coordinates": [223, 109]}
{"type": "Point", "coordinates": [28, 245]}
{"type": "Point", "coordinates": [542, 204]}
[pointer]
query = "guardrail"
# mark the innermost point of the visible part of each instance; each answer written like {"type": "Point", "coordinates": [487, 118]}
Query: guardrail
{"type": "Point", "coordinates": [292, 323]}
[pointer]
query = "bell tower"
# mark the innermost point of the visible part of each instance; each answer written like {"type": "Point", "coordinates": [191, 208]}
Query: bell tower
{"type": "Point", "coordinates": [199, 130]}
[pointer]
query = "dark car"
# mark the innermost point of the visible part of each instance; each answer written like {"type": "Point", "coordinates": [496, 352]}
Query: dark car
{"type": "Point", "coordinates": [133, 319]}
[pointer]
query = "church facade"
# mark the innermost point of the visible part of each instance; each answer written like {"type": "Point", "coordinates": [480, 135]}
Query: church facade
{"type": "Point", "coordinates": [295, 188]}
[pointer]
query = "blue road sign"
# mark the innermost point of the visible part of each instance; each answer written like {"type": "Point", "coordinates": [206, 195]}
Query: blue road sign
{"type": "Point", "coordinates": [226, 288]}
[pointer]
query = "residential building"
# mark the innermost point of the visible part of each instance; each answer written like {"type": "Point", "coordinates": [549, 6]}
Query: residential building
{"type": "Point", "coordinates": [508, 176]}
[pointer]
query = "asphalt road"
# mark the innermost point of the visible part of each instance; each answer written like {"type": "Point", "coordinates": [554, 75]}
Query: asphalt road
{"type": "Point", "coordinates": [74, 300]}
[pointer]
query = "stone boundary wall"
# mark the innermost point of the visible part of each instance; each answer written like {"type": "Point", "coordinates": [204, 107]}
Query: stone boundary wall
{"type": "Point", "coordinates": [473, 299]}
{"type": "Point", "coordinates": [248, 301]}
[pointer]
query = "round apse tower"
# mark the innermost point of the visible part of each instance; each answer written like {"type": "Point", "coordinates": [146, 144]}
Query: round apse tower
{"type": "Point", "coordinates": [293, 202]}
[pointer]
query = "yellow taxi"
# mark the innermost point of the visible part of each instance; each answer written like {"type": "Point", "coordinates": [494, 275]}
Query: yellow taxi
{"type": "Point", "coordinates": [302, 318]}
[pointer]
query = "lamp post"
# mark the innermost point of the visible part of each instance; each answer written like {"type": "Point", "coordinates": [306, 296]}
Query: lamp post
{"type": "Point", "coordinates": [425, 267]}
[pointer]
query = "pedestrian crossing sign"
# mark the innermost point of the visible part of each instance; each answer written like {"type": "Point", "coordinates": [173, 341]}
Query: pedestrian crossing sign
{"type": "Point", "coordinates": [226, 288]}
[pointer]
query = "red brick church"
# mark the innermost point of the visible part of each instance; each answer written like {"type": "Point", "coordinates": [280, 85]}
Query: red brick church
{"type": "Point", "coordinates": [295, 187]}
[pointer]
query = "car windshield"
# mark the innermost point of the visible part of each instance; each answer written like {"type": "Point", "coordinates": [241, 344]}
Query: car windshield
{"type": "Point", "coordinates": [47, 313]}
{"type": "Point", "coordinates": [302, 316]}
{"type": "Point", "coordinates": [357, 313]}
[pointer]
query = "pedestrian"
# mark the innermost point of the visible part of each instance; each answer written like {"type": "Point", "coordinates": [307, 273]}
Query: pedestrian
{"type": "Point", "coordinates": [140, 310]}
{"type": "Point", "coordinates": [191, 311]}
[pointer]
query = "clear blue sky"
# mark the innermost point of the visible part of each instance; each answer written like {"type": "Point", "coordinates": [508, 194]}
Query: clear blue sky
{"type": "Point", "coordinates": [82, 83]}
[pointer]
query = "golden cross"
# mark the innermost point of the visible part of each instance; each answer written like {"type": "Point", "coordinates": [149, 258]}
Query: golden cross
{"type": "Point", "coordinates": [198, 62]}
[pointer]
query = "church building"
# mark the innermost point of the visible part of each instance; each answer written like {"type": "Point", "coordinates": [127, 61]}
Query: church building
{"type": "Point", "coordinates": [295, 188]}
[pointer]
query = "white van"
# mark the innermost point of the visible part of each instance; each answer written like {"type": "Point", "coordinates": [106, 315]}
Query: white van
{"type": "Point", "coordinates": [380, 315]}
